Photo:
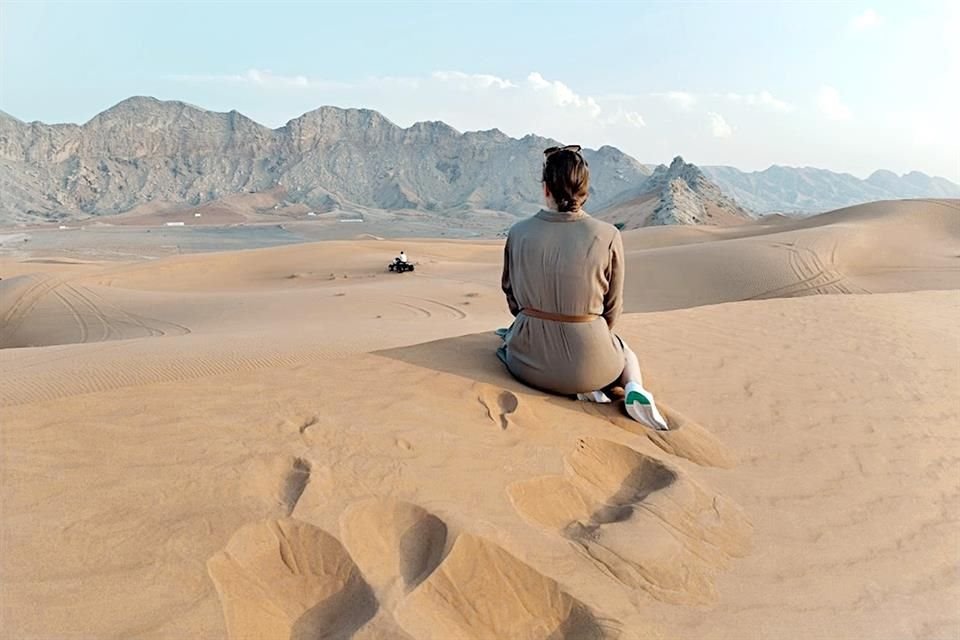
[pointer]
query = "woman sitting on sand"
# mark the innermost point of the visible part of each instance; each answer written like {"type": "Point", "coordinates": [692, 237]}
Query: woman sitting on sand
{"type": "Point", "coordinates": [563, 275]}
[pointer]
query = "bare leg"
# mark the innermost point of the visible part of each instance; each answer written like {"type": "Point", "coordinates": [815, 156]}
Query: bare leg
{"type": "Point", "coordinates": [631, 367]}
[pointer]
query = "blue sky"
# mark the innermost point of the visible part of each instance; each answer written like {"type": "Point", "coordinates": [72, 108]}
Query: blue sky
{"type": "Point", "coordinates": [847, 86]}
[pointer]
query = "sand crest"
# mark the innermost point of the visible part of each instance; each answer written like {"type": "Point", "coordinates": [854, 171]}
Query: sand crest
{"type": "Point", "coordinates": [202, 446]}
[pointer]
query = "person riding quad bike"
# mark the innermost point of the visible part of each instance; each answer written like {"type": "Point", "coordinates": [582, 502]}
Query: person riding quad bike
{"type": "Point", "coordinates": [400, 264]}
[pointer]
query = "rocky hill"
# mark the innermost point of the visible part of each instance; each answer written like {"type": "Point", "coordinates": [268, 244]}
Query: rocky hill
{"type": "Point", "coordinates": [809, 190]}
{"type": "Point", "coordinates": [678, 194]}
{"type": "Point", "coordinates": [149, 153]}
{"type": "Point", "coordinates": [145, 150]}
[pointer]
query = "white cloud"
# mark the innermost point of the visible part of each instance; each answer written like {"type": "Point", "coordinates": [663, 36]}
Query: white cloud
{"type": "Point", "coordinates": [520, 105]}
{"type": "Point", "coordinates": [681, 99]}
{"type": "Point", "coordinates": [866, 20]}
{"type": "Point", "coordinates": [262, 78]}
{"type": "Point", "coordinates": [467, 99]}
{"type": "Point", "coordinates": [831, 105]}
{"type": "Point", "coordinates": [631, 118]}
{"type": "Point", "coordinates": [267, 78]}
{"type": "Point", "coordinates": [634, 118]}
{"type": "Point", "coordinates": [623, 97]}
{"type": "Point", "coordinates": [561, 94]}
{"type": "Point", "coordinates": [472, 80]}
{"type": "Point", "coordinates": [532, 93]}
{"type": "Point", "coordinates": [718, 126]}
{"type": "Point", "coordinates": [763, 99]}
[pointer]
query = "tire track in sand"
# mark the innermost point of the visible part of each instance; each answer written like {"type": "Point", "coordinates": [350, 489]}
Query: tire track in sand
{"type": "Point", "coordinates": [148, 362]}
{"type": "Point", "coordinates": [78, 318]}
{"type": "Point", "coordinates": [24, 302]}
{"type": "Point", "coordinates": [151, 325]}
{"type": "Point", "coordinates": [811, 275]}
{"type": "Point", "coordinates": [421, 306]}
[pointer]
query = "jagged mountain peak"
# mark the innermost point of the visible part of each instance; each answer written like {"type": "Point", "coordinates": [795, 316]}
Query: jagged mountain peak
{"type": "Point", "coordinates": [434, 125]}
{"type": "Point", "coordinates": [676, 194]}
{"type": "Point", "coordinates": [340, 115]}
{"type": "Point", "coordinates": [144, 149]}
{"type": "Point", "coordinates": [678, 169]}
{"type": "Point", "coordinates": [882, 174]}
{"type": "Point", "coordinates": [431, 131]}
{"type": "Point", "coordinates": [146, 105]}
{"type": "Point", "coordinates": [491, 135]}
{"type": "Point", "coordinates": [609, 151]}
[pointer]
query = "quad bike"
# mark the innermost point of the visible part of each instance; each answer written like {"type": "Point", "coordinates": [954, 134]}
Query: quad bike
{"type": "Point", "coordinates": [399, 267]}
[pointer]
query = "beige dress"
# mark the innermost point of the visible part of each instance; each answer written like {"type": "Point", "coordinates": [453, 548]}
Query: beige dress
{"type": "Point", "coordinates": [570, 264]}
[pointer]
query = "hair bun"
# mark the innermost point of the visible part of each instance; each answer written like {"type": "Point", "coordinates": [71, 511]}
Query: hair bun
{"type": "Point", "coordinates": [567, 179]}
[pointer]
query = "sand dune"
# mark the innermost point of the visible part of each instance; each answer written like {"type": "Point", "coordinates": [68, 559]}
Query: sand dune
{"type": "Point", "coordinates": [232, 209]}
{"type": "Point", "coordinates": [880, 247]}
{"type": "Point", "coordinates": [293, 443]}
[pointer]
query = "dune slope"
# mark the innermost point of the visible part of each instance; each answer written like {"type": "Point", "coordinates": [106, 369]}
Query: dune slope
{"type": "Point", "coordinates": [291, 442]}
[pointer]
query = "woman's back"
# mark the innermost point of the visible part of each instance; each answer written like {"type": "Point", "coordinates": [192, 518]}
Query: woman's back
{"type": "Point", "coordinates": [568, 264]}
{"type": "Point", "coordinates": [563, 278]}
{"type": "Point", "coordinates": [564, 263]}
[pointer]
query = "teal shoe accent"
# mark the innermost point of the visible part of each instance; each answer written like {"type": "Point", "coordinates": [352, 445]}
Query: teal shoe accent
{"type": "Point", "coordinates": [636, 396]}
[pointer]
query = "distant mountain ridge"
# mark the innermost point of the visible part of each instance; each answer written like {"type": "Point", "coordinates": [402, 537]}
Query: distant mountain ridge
{"type": "Point", "coordinates": [678, 194]}
{"type": "Point", "coordinates": [144, 150]}
{"type": "Point", "coordinates": [810, 190]}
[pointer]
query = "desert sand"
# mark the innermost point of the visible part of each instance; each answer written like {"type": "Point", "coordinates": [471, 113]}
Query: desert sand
{"type": "Point", "coordinates": [291, 442]}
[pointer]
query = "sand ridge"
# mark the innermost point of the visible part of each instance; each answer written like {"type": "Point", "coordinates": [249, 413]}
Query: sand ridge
{"type": "Point", "coordinates": [290, 465]}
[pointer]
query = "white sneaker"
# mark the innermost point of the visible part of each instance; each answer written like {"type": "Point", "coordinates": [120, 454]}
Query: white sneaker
{"type": "Point", "coordinates": [642, 408]}
{"type": "Point", "coordinates": [594, 396]}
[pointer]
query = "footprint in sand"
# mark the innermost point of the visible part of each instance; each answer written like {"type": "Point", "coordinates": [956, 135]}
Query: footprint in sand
{"type": "Point", "coordinates": [389, 579]}
{"type": "Point", "coordinates": [500, 404]}
{"type": "Point", "coordinates": [481, 591]}
{"type": "Point", "coordinates": [396, 544]}
{"type": "Point", "coordinates": [279, 480]}
{"type": "Point", "coordinates": [641, 522]}
{"type": "Point", "coordinates": [289, 579]}
{"type": "Point", "coordinates": [685, 439]}
{"type": "Point", "coordinates": [307, 423]}
{"type": "Point", "coordinates": [294, 482]}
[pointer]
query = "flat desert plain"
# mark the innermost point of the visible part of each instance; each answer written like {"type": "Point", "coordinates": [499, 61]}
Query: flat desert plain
{"type": "Point", "coordinates": [291, 442]}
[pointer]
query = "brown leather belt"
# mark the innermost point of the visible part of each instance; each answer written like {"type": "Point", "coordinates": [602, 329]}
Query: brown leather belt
{"type": "Point", "coordinates": [557, 317]}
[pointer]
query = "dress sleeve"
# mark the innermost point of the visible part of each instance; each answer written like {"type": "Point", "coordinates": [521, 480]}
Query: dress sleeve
{"type": "Point", "coordinates": [505, 280]}
{"type": "Point", "coordinates": [613, 298]}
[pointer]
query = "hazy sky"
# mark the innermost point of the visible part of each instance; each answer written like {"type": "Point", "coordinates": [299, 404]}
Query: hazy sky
{"type": "Point", "coordinates": [847, 86]}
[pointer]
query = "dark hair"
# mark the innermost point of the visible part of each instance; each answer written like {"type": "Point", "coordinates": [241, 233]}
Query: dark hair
{"type": "Point", "coordinates": [567, 177]}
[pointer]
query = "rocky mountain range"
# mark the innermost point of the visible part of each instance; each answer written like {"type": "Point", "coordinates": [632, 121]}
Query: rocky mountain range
{"type": "Point", "coordinates": [146, 150]}
{"type": "Point", "coordinates": [153, 153]}
{"type": "Point", "coordinates": [810, 190]}
{"type": "Point", "coordinates": [678, 194]}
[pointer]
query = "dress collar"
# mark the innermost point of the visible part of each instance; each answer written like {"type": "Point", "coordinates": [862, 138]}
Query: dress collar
{"type": "Point", "coordinates": [561, 216]}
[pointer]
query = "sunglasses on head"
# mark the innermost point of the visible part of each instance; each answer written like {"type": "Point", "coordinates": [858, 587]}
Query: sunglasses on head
{"type": "Point", "coordinates": [570, 147]}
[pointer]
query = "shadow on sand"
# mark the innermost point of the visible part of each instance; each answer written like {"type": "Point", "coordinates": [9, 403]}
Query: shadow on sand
{"type": "Point", "coordinates": [474, 357]}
